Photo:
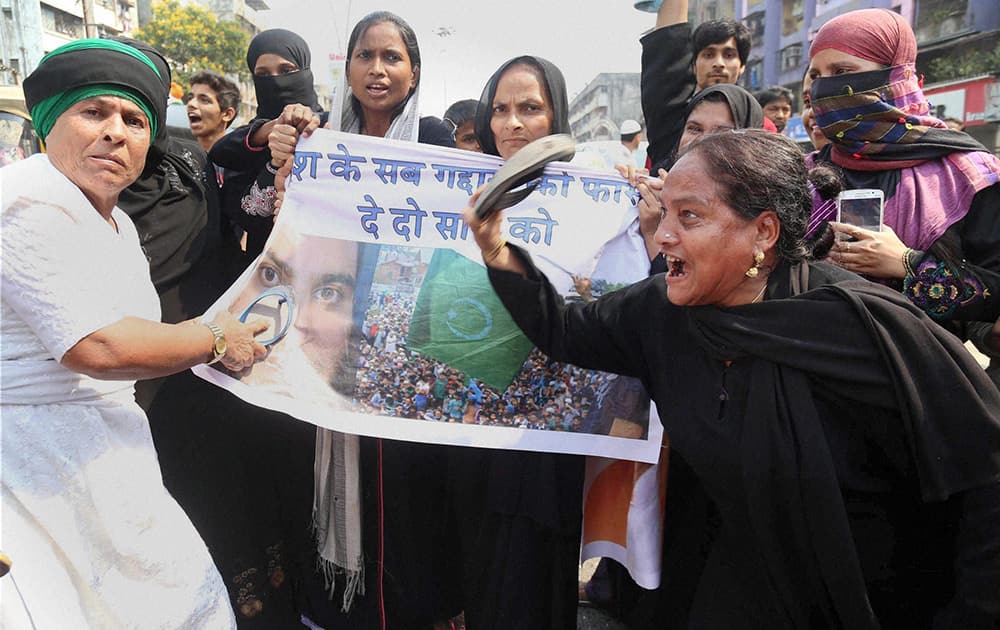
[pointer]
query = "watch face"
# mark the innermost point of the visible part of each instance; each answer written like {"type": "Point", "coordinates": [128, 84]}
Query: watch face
{"type": "Point", "coordinates": [220, 345]}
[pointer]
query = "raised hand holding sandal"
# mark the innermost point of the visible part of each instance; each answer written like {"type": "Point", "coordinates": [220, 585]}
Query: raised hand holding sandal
{"type": "Point", "coordinates": [526, 165]}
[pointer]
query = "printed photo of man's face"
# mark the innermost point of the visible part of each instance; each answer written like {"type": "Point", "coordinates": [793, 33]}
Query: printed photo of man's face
{"type": "Point", "coordinates": [318, 275]}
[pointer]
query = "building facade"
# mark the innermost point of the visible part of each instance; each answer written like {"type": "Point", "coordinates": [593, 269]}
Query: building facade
{"type": "Point", "coordinates": [949, 33]}
{"type": "Point", "coordinates": [32, 28]}
{"type": "Point", "coordinates": [243, 12]}
{"type": "Point", "coordinates": [783, 29]}
{"type": "Point", "coordinates": [601, 106]}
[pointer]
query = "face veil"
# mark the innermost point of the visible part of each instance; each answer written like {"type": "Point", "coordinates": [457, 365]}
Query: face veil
{"type": "Point", "coordinates": [274, 92]}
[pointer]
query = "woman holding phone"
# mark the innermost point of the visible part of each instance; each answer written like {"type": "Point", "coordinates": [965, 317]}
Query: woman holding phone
{"type": "Point", "coordinates": [940, 236]}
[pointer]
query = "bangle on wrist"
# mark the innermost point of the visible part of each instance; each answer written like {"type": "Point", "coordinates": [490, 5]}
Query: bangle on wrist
{"type": "Point", "coordinates": [493, 253]}
{"type": "Point", "coordinates": [248, 141]}
{"type": "Point", "coordinates": [907, 266]}
{"type": "Point", "coordinates": [271, 168]}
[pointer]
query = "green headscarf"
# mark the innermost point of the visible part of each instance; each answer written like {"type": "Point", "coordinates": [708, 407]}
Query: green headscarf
{"type": "Point", "coordinates": [45, 114]}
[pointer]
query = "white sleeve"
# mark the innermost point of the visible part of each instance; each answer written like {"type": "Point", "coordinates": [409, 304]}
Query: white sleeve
{"type": "Point", "coordinates": [51, 275]}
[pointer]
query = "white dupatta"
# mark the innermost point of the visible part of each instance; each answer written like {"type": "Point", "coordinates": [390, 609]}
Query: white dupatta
{"type": "Point", "coordinates": [337, 489]}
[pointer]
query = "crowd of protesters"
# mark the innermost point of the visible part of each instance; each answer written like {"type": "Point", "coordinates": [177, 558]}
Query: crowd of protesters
{"type": "Point", "coordinates": [395, 381]}
{"type": "Point", "coordinates": [171, 503]}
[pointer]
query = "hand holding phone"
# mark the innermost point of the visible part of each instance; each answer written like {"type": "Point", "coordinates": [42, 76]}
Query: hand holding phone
{"type": "Point", "coordinates": [862, 207]}
{"type": "Point", "coordinates": [863, 243]}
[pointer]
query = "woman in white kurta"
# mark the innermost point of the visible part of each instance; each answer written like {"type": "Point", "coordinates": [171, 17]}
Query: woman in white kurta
{"type": "Point", "coordinates": [96, 540]}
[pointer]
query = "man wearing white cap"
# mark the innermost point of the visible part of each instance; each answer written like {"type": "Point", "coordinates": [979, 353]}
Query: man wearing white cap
{"type": "Point", "coordinates": [631, 136]}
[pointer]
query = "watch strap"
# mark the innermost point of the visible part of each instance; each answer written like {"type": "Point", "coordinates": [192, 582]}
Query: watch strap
{"type": "Point", "coordinates": [218, 334]}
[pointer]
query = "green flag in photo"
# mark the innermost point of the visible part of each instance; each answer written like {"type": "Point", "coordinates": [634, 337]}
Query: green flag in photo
{"type": "Point", "coordinates": [459, 320]}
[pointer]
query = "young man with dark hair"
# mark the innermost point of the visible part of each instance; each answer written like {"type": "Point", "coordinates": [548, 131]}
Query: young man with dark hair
{"type": "Point", "coordinates": [776, 101]}
{"type": "Point", "coordinates": [721, 48]}
{"type": "Point", "coordinates": [677, 64]}
{"type": "Point", "coordinates": [212, 104]}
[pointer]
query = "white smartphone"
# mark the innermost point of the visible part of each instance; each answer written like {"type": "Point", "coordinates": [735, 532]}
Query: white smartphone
{"type": "Point", "coordinates": [862, 207]}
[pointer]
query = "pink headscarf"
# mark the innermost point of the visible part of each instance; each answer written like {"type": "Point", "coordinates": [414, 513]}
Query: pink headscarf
{"type": "Point", "coordinates": [877, 35]}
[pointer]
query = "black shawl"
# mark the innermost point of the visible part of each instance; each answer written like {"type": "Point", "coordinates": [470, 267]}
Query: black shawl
{"type": "Point", "coordinates": [857, 343]}
{"type": "Point", "coordinates": [170, 202]}
{"type": "Point", "coordinates": [793, 493]}
{"type": "Point", "coordinates": [555, 84]}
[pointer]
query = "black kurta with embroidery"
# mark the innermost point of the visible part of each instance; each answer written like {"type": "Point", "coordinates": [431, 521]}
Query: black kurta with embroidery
{"type": "Point", "coordinates": [840, 433]}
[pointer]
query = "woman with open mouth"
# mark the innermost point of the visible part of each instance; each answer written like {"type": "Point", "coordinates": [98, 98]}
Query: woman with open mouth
{"type": "Point", "coordinates": [848, 443]}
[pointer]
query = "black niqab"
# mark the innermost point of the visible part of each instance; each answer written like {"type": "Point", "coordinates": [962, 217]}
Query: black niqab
{"type": "Point", "coordinates": [274, 92]}
{"type": "Point", "coordinates": [555, 84]}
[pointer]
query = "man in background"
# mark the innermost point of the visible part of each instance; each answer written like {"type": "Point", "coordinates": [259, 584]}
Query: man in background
{"type": "Point", "coordinates": [721, 48]}
{"type": "Point", "coordinates": [677, 64]}
{"type": "Point", "coordinates": [212, 103]}
{"type": "Point", "coordinates": [776, 101]}
{"type": "Point", "coordinates": [630, 134]}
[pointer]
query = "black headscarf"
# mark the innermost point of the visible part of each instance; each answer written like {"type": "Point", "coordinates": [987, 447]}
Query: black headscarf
{"type": "Point", "coordinates": [555, 85]}
{"type": "Point", "coordinates": [159, 146]}
{"type": "Point", "coordinates": [78, 67]}
{"type": "Point", "coordinates": [273, 93]}
{"type": "Point", "coordinates": [169, 205]}
{"type": "Point", "coordinates": [747, 113]}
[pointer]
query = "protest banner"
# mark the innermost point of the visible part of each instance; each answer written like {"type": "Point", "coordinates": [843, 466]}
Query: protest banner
{"type": "Point", "coordinates": [391, 318]}
{"type": "Point", "coordinates": [387, 324]}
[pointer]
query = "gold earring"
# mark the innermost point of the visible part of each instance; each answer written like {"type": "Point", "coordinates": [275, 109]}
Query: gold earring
{"type": "Point", "coordinates": [758, 258]}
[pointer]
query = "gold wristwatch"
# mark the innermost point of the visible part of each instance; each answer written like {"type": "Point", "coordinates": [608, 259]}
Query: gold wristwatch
{"type": "Point", "coordinates": [219, 346]}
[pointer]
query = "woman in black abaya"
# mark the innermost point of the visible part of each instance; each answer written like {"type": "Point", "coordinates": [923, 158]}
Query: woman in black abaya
{"type": "Point", "coordinates": [849, 444]}
{"type": "Point", "coordinates": [279, 62]}
{"type": "Point", "coordinates": [389, 565]}
{"type": "Point", "coordinates": [519, 513]}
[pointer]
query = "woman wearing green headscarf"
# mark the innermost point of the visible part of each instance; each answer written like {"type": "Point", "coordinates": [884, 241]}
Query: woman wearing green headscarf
{"type": "Point", "coordinates": [96, 541]}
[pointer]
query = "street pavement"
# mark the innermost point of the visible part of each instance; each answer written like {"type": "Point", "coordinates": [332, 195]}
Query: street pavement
{"type": "Point", "coordinates": [588, 617]}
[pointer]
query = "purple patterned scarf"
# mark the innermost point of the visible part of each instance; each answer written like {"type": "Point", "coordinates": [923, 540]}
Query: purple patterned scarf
{"type": "Point", "coordinates": [880, 121]}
